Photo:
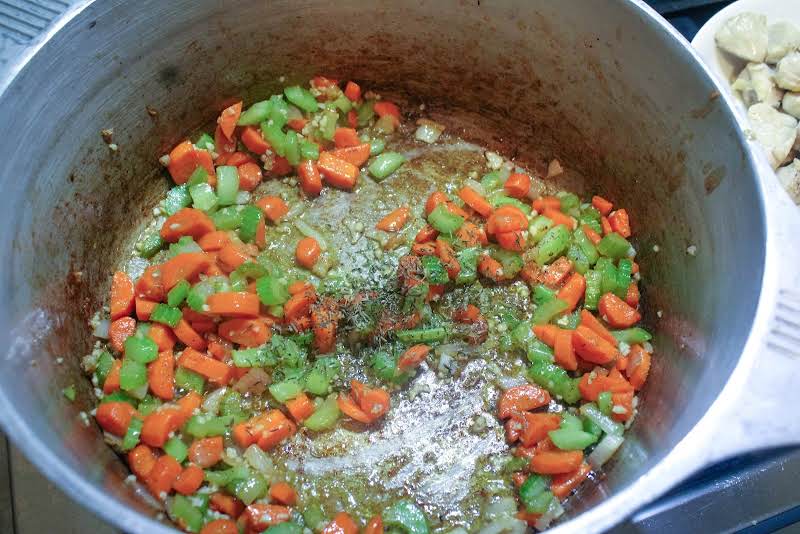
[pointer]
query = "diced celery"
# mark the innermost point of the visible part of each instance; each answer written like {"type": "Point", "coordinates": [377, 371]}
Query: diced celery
{"type": "Point", "coordinates": [227, 184]}
{"type": "Point", "coordinates": [325, 416]}
{"type": "Point", "coordinates": [385, 164]}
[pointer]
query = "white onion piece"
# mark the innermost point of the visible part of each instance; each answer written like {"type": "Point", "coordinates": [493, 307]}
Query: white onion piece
{"type": "Point", "coordinates": [554, 511]}
{"type": "Point", "coordinates": [473, 184]}
{"type": "Point", "coordinates": [504, 507]}
{"type": "Point", "coordinates": [259, 460]}
{"type": "Point", "coordinates": [428, 131]}
{"type": "Point", "coordinates": [213, 400]}
{"type": "Point", "coordinates": [605, 450]}
{"type": "Point", "coordinates": [308, 231]}
{"type": "Point", "coordinates": [101, 329]}
{"type": "Point", "coordinates": [243, 197]}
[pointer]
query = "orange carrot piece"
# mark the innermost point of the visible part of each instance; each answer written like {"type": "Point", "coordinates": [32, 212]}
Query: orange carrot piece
{"type": "Point", "coordinates": [563, 484]}
{"type": "Point", "coordinates": [214, 370]}
{"type": "Point", "coordinates": [310, 179]}
{"type": "Point", "coordinates": [233, 304]}
{"type": "Point", "coordinates": [559, 218]}
{"type": "Point", "coordinates": [214, 241]}
{"type": "Point", "coordinates": [119, 331]}
{"type": "Point", "coordinates": [620, 223]}
{"type": "Point", "coordinates": [307, 252]}
{"type": "Point", "coordinates": [468, 314]}
{"type": "Point", "coordinates": [591, 347]}
{"type": "Point", "coordinates": [394, 220]}
{"type": "Point", "coordinates": [260, 517]}
{"type": "Point", "coordinates": [324, 322]}
{"type": "Point", "coordinates": [121, 301]}
{"type": "Point", "coordinates": [186, 266]}
{"type": "Point", "coordinates": [345, 137]}
{"type": "Point", "coordinates": [475, 201]}
{"type": "Point", "coordinates": [186, 222]}
{"type": "Point", "coordinates": [623, 401]}
{"type": "Point", "coordinates": [283, 493]}
{"type": "Point", "coordinates": [573, 290]}
{"type": "Point", "coordinates": [300, 408]}
{"type": "Point", "coordinates": [253, 140]}
{"type": "Point", "coordinates": [617, 312]}
{"type": "Point", "coordinates": [237, 159]}
{"type": "Point", "coordinates": [638, 366]}
{"type": "Point", "coordinates": [299, 305]}
{"type": "Point", "coordinates": [297, 124]}
{"type": "Point", "coordinates": [472, 235]}
{"type": "Point", "coordinates": [556, 462]}
{"type": "Point", "coordinates": [188, 336]}
{"type": "Point", "coordinates": [241, 435]}
{"type": "Point", "coordinates": [506, 219]}
{"type": "Point", "coordinates": [517, 185]}
{"type": "Point", "coordinates": [490, 268]}
{"type": "Point", "coordinates": [246, 332]}
{"type": "Point", "coordinates": [112, 380]}
{"type": "Point", "coordinates": [161, 375]}
{"type": "Point", "coordinates": [249, 176]}
{"type": "Point", "coordinates": [272, 428]}
{"type": "Point", "coordinates": [513, 240]}
{"type": "Point", "coordinates": [412, 357]}
{"type": "Point", "coordinates": [602, 205]}
{"type": "Point", "coordinates": [163, 475]}
{"type": "Point", "coordinates": [535, 426]}
{"type": "Point", "coordinates": [220, 526]}
{"type": "Point", "coordinates": [226, 504]}
{"type": "Point", "coordinates": [632, 296]}
{"type": "Point", "coordinates": [298, 286]}
{"type": "Point", "coordinates": [606, 226]}
{"type": "Point", "coordinates": [383, 108]}
{"type": "Point", "coordinates": [273, 207]}
{"type": "Point", "coordinates": [434, 200]}
{"type": "Point", "coordinates": [342, 524]}
{"type": "Point", "coordinates": [557, 272]}
{"type": "Point", "coordinates": [158, 425]}
{"type": "Point", "coordinates": [351, 409]}
{"type": "Point", "coordinates": [564, 352]}
{"type": "Point", "coordinates": [357, 154]}
{"type": "Point", "coordinates": [546, 203]}
{"type": "Point", "coordinates": [592, 323]}
{"type": "Point", "coordinates": [144, 308]}
{"type": "Point", "coordinates": [230, 257]}
{"type": "Point", "coordinates": [426, 234]}
{"type": "Point", "coordinates": [185, 158]}
{"type": "Point", "coordinates": [141, 460]}
{"type": "Point", "coordinates": [521, 399]}
{"type": "Point", "coordinates": [149, 286]}
{"type": "Point", "coordinates": [423, 249]}
{"type": "Point", "coordinates": [188, 404]}
{"type": "Point", "coordinates": [115, 417]}
{"type": "Point", "coordinates": [375, 526]}
{"type": "Point", "coordinates": [375, 402]}
{"type": "Point", "coordinates": [546, 333]}
{"type": "Point", "coordinates": [591, 385]}
{"type": "Point", "coordinates": [446, 253]}
{"type": "Point", "coordinates": [530, 518]}
{"type": "Point", "coordinates": [337, 172]}
{"type": "Point", "coordinates": [206, 452]}
{"type": "Point", "coordinates": [223, 146]}
{"type": "Point", "coordinates": [593, 236]}
{"type": "Point", "coordinates": [228, 118]}
{"type": "Point", "coordinates": [352, 91]}
{"type": "Point", "coordinates": [189, 481]}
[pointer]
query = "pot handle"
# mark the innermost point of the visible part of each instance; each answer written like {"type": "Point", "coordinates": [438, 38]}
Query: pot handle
{"type": "Point", "coordinates": [757, 403]}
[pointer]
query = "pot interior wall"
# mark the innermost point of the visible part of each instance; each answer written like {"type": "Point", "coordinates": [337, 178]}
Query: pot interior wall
{"type": "Point", "coordinates": [606, 92]}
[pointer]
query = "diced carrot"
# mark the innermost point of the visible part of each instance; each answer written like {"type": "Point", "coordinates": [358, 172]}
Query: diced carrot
{"type": "Point", "coordinates": [606, 226]}
{"type": "Point", "coordinates": [423, 249]}
{"type": "Point", "coordinates": [119, 331]}
{"type": "Point", "coordinates": [214, 241]}
{"type": "Point", "coordinates": [351, 409]}
{"type": "Point", "coordinates": [307, 252]}
{"type": "Point", "coordinates": [426, 234]}
{"type": "Point", "coordinates": [617, 312]}
{"type": "Point", "coordinates": [283, 493]}
{"type": "Point", "coordinates": [220, 526]}
{"type": "Point", "coordinates": [228, 118]}
{"type": "Point", "coordinates": [530, 518]}
{"type": "Point", "coordinates": [161, 375]}
{"type": "Point", "coordinates": [226, 504]}
{"type": "Point", "coordinates": [622, 406]}
{"type": "Point", "coordinates": [230, 257]}
{"type": "Point", "coordinates": [559, 218]}
{"type": "Point", "coordinates": [260, 517]}
{"type": "Point", "coordinates": [412, 357]}
{"type": "Point", "coordinates": [563, 484]}
{"type": "Point", "coordinates": [472, 235]}
{"type": "Point", "coordinates": [556, 462]}
{"type": "Point", "coordinates": [141, 460]}
{"type": "Point", "coordinates": [632, 296]}
{"type": "Point", "coordinates": [299, 305]}
{"type": "Point", "coordinates": [310, 179]}
{"type": "Point", "coordinates": [241, 435]}
{"type": "Point", "coordinates": [490, 268]}
{"type": "Point", "coordinates": [144, 308]}
{"type": "Point", "coordinates": [324, 322]}
{"type": "Point", "coordinates": [521, 399]}
{"type": "Point", "coordinates": [446, 253]}
{"type": "Point", "coordinates": [592, 323]}
{"type": "Point", "coordinates": [214, 370]}
{"type": "Point", "coordinates": [112, 379]}
{"type": "Point", "coordinates": [593, 236]}
{"type": "Point", "coordinates": [357, 154]}
{"type": "Point", "coordinates": [158, 425]}
{"type": "Point", "coordinates": [342, 524]}
{"type": "Point", "coordinates": [186, 266]}
{"type": "Point", "coordinates": [513, 240]}
{"type": "Point", "coordinates": [591, 347]}
{"type": "Point", "coordinates": [188, 404]}
{"type": "Point", "coordinates": [337, 172]}
{"type": "Point", "coordinates": [475, 201]}
{"type": "Point", "coordinates": [301, 407]}
{"type": "Point", "coordinates": [149, 286]}
{"type": "Point", "coordinates": [188, 336]}
{"type": "Point", "coordinates": [394, 220]}
{"type": "Point", "coordinates": [374, 402]}
{"type": "Point", "coordinates": [321, 82]}
{"type": "Point", "coordinates": [237, 159]}
{"type": "Point", "coordinates": [121, 301]}
{"type": "Point", "coordinates": [506, 219]}
{"type": "Point", "coordinates": [273, 207]}
{"type": "Point", "coordinates": [635, 268]}
{"type": "Point", "coordinates": [352, 118]}
{"type": "Point", "coordinates": [546, 203]}
{"type": "Point", "coordinates": [345, 137]}
{"type": "Point", "coordinates": [163, 475]}
{"type": "Point", "coordinates": [246, 332]}
{"type": "Point", "coordinates": [352, 91]}
{"type": "Point", "coordinates": [517, 185]}
{"type": "Point", "coordinates": [535, 427]}
{"type": "Point", "coordinates": [185, 158]}
{"type": "Point", "coordinates": [280, 166]}
{"type": "Point", "coordinates": [602, 205]}
{"type": "Point", "coordinates": [620, 223]}
{"type": "Point", "coordinates": [249, 176]}
{"type": "Point", "coordinates": [206, 452]}
{"type": "Point", "coordinates": [546, 333]}
{"type": "Point", "coordinates": [298, 286]}
{"type": "Point", "coordinates": [223, 146]}
{"type": "Point", "coordinates": [434, 200]}
{"type": "Point", "coordinates": [638, 366]}
{"type": "Point", "coordinates": [383, 108]}
{"type": "Point", "coordinates": [271, 428]}
{"type": "Point", "coordinates": [468, 314]}
{"type": "Point", "coordinates": [233, 304]}
{"type": "Point", "coordinates": [573, 290]}
{"type": "Point", "coordinates": [622, 363]}
{"type": "Point", "coordinates": [186, 222]}
{"type": "Point", "coordinates": [564, 352]}
{"type": "Point", "coordinates": [189, 481]}
{"type": "Point", "coordinates": [557, 272]}
{"type": "Point", "coordinates": [253, 140]}
{"type": "Point", "coordinates": [596, 382]}
{"type": "Point", "coordinates": [375, 526]}
{"type": "Point", "coordinates": [115, 417]}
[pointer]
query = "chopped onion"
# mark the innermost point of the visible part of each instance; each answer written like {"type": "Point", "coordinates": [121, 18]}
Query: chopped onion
{"type": "Point", "coordinates": [554, 168]}
{"type": "Point", "coordinates": [243, 197]}
{"type": "Point", "coordinates": [213, 400]}
{"type": "Point", "coordinates": [259, 460]}
{"type": "Point", "coordinates": [503, 507]}
{"type": "Point", "coordinates": [256, 382]}
{"type": "Point", "coordinates": [135, 267]}
{"type": "Point", "coordinates": [428, 131]}
{"type": "Point", "coordinates": [476, 185]}
{"type": "Point", "coordinates": [307, 231]}
{"type": "Point", "coordinates": [554, 511]}
{"type": "Point", "coordinates": [505, 525]}
{"type": "Point", "coordinates": [101, 329]}
{"type": "Point", "coordinates": [295, 210]}
{"type": "Point", "coordinates": [605, 450]}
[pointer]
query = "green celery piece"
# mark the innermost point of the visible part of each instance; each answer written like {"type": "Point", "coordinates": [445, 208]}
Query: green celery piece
{"type": "Point", "coordinates": [104, 363]}
{"type": "Point", "coordinates": [492, 181]}
{"type": "Point", "coordinates": [365, 112]}
{"type": "Point", "coordinates": [198, 176]}
{"type": "Point", "coordinates": [542, 294]}
{"type": "Point", "coordinates": [202, 426]}
{"type": "Point", "coordinates": [327, 124]}
{"type": "Point", "coordinates": [205, 142]}
{"type": "Point", "coordinates": [580, 262]}
{"type": "Point", "coordinates": [131, 438]}
{"type": "Point", "coordinates": [594, 225]}
{"type": "Point", "coordinates": [255, 114]}
{"type": "Point", "coordinates": [182, 246]}
{"type": "Point", "coordinates": [406, 517]}
{"type": "Point", "coordinates": [632, 335]}
{"type": "Point", "coordinates": [148, 405]}
{"type": "Point", "coordinates": [385, 366]}
{"type": "Point", "coordinates": [253, 357]}
{"type": "Point", "coordinates": [435, 273]}
{"type": "Point", "coordinates": [119, 396]}
{"type": "Point", "coordinates": [227, 218]}
{"type": "Point", "coordinates": [288, 527]}
{"type": "Point", "coordinates": [538, 227]}
{"type": "Point", "coordinates": [292, 148]}
{"type": "Point", "coordinates": [166, 314]}
{"type": "Point", "coordinates": [444, 221]}
{"type": "Point", "coordinates": [521, 333]}
{"type": "Point", "coordinates": [272, 290]}
{"type": "Point", "coordinates": [183, 511]}
{"type": "Point", "coordinates": [624, 269]}
{"type": "Point", "coordinates": [533, 486]}
{"type": "Point", "coordinates": [569, 201]}
{"type": "Point", "coordinates": [385, 164]}
{"type": "Point", "coordinates": [568, 439]}
{"type": "Point", "coordinates": [140, 349]}
{"type": "Point", "coordinates": [386, 124]}
{"type": "Point", "coordinates": [308, 150]}
{"type": "Point", "coordinates": [325, 416]}
{"type": "Point", "coordinates": [555, 380]}
{"type": "Point", "coordinates": [468, 260]}
{"type": "Point", "coordinates": [570, 321]}
{"type": "Point", "coordinates": [499, 198]}
{"type": "Point", "coordinates": [251, 270]}
{"type": "Point", "coordinates": [232, 405]}
{"type": "Point", "coordinates": [415, 297]}
{"type": "Point", "coordinates": [286, 390]}
{"type": "Point", "coordinates": [227, 185]}
{"type": "Point", "coordinates": [149, 245]}
{"type": "Point", "coordinates": [316, 382]}
{"type": "Point", "coordinates": [69, 392]}
{"type": "Point", "coordinates": [197, 295]}
{"type": "Point", "coordinates": [604, 403]}
{"type": "Point", "coordinates": [609, 276]}
{"type": "Point", "coordinates": [594, 281]}
{"type": "Point", "coordinates": [343, 104]}
{"type": "Point", "coordinates": [613, 246]}
{"type": "Point", "coordinates": [188, 379]}
{"type": "Point", "coordinates": [546, 312]}
{"type": "Point", "coordinates": [176, 448]}
{"type": "Point", "coordinates": [132, 375]}
{"type": "Point", "coordinates": [249, 489]}
{"type": "Point", "coordinates": [251, 216]}
{"type": "Point", "coordinates": [609, 426]}
{"type": "Point", "coordinates": [178, 293]}
{"type": "Point", "coordinates": [422, 335]}
{"type": "Point", "coordinates": [177, 198]}
{"type": "Point", "coordinates": [226, 476]}
{"type": "Point", "coordinates": [540, 503]}
{"type": "Point", "coordinates": [511, 261]}
{"type": "Point", "coordinates": [376, 146]}
{"type": "Point", "coordinates": [203, 197]}
{"type": "Point", "coordinates": [274, 135]}
{"type": "Point", "coordinates": [539, 351]}
{"type": "Point", "coordinates": [586, 246]}
{"type": "Point", "coordinates": [553, 244]}
{"type": "Point", "coordinates": [571, 422]}
{"type": "Point", "coordinates": [592, 428]}
{"type": "Point", "coordinates": [302, 98]}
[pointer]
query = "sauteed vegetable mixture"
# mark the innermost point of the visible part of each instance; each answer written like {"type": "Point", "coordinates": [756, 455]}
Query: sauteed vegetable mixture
{"type": "Point", "coordinates": [264, 335]}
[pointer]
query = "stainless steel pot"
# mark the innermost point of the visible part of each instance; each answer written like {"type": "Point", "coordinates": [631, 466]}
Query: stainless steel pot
{"type": "Point", "coordinates": [607, 87]}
